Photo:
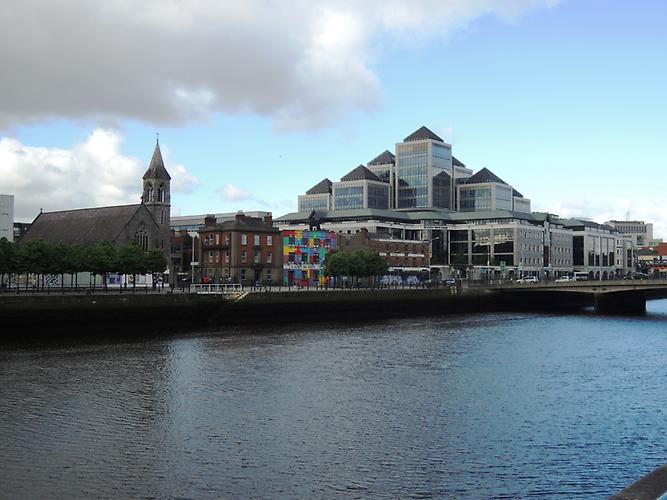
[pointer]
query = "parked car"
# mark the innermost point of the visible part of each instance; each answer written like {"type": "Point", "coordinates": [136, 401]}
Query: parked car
{"type": "Point", "coordinates": [449, 282]}
{"type": "Point", "coordinates": [636, 276]}
{"type": "Point", "coordinates": [565, 279]}
{"type": "Point", "coordinates": [527, 279]}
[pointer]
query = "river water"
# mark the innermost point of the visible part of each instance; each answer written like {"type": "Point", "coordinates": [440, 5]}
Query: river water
{"type": "Point", "coordinates": [485, 406]}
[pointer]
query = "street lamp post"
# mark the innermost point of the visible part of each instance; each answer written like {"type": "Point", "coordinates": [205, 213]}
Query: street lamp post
{"type": "Point", "coordinates": [194, 235]}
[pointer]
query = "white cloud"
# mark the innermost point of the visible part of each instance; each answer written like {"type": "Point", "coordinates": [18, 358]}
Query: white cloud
{"type": "Point", "coordinates": [619, 209]}
{"type": "Point", "coordinates": [302, 63]}
{"type": "Point", "coordinates": [230, 192]}
{"type": "Point", "coordinates": [182, 181]}
{"type": "Point", "coordinates": [92, 173]}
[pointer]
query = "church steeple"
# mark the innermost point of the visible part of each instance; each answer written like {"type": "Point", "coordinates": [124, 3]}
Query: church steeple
{"type": "Point", "coordinates": [156, 169]}
{"type": "Point", "coordinates": [157, 195]}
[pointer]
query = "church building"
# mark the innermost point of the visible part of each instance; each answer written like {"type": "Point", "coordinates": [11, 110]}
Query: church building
{"type": "Point", "coordinates": [145, 223]}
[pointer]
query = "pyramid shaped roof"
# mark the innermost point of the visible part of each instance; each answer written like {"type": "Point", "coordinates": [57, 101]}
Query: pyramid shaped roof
{"type": "Point", "coordinates": [456, 162]}
{"type": "Point", "coordinates": [383, 158]}
{"type": "Point", "coordinates": [156, 169]}
{"type": "Point", "coordinates": [484, 175]}
{"type": "Point", "coordinates": [360, 173]}
{"type": "Point", "coordinates": [322, 187]}
{"type": "Point", "coordinates": [422, 133]}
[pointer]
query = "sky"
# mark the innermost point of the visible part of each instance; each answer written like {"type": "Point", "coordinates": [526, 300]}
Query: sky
{"type": "Point", "coordinates": [257, 101]}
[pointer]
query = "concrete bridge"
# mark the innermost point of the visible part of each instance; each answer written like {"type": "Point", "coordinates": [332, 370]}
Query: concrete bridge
{"type": "Point", "coordinates": [608, 297]}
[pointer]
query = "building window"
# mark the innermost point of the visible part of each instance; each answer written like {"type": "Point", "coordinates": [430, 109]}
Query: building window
{"type": "Point", "coordinates": [269, 258]}
{"type": "Point", "coordinates": [227, 238]}
{"type": "Point", "coordinates": [268, 275]}
{"type": "Point", "coordinates": [269, 240]}
{"type": "Point", "coordinates": [244, 239]}
{"type": "Point", "coordinates": [227, 257]}
{"type": "Point", "coordinates": [242, 274]}
{"type": "Point", "coordinates": [257, 258]}
{"type": "Point", "coordinates": [217, 239]}
{"type": "Point", "coordinates": [217, 257]}
{"type": "Point", "coordinates": [257, 240]}
{"type": "Point", "coordinates": [243, 257]}
{"type": "Point", "coordinates": [290, 257]}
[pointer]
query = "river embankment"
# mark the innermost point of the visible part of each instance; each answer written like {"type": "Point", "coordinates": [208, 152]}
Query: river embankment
{"type": "Point", "coordinates": [28, 315]}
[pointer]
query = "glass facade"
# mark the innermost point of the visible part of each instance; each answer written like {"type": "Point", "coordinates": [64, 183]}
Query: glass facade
{"type": "Point", "coordinates": [413, 174]}
{"type": "Point", "coordinates": [348, 197]}
{"type": "Point", "coordinates": [423, 175]}
{"type": "Point", "coordinates": [378, 196]}
{"type": "Point", "coordinates": [313, 202]}
{"type": "Point", "coordinates": [475, 199]}
{"type": "Point", "coordinates": [503, 197]}
{"type": "Point", "coordinates": [442, 181]}
{"type": "Point", "coordinates": [383, 172]}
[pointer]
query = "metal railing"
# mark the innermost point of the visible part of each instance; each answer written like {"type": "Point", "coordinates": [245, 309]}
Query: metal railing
{"type": "Point", "coordinates": [216, 288]}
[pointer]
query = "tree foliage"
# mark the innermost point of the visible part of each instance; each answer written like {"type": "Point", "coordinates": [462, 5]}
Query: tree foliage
{"type": "Point", "coordinates": [39, 257]}
{"type": "Point", "coordinates": [359, 264]}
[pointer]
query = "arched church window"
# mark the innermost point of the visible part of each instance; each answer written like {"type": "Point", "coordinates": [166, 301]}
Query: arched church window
{"type": "Point", "coordinates": [141, 239]}
{"type": "Point", "coordinates": [160, 194]}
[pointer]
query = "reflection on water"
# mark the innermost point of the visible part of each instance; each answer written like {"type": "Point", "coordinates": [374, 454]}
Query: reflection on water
{"type": "Point", "coordinates": [495, 405]}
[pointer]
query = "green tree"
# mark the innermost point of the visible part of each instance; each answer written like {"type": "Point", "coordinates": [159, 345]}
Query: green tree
{"type": "Point", "coordinates": [35, 258]}
{"type": "Point", "coordinates": [75, 261]}
{"type": "Point", "coordinates": [155, 262]}
{"type": "Point", "coordinates": [58, 261]}
{"type": "Point", "coordinates": [337, 264]}
{"type": "Point", "coordinates": [131, 261]}
{"type": "Point", "coordinates": [101, 258]}
{"type": "Point", "coordinates": [8, 262]}
{"type": "Point", "coordinates": [376, 266]}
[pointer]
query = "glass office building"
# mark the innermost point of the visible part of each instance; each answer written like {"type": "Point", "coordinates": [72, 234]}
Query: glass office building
{"type": "Point", "coordinates": [317, 198]}
{"type": "Point", "coordinates": [486, 191]}
{"type": "Point", "coordinates": [425, 172]}
{"type": "Point", "coordinates": [360, 188]}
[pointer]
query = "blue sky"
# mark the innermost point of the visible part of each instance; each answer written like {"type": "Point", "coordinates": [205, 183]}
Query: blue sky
{"type": "Point", "coordinates": [563, 100]}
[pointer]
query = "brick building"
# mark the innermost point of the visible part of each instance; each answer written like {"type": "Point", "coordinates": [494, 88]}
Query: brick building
{"type": "Point", "coordinates": [401, 255]}
{"type": "Point", "coordinates": [245, 250]}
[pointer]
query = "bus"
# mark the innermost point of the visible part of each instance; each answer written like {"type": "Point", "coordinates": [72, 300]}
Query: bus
{"type": "Point", "coordinates": [580, 276]}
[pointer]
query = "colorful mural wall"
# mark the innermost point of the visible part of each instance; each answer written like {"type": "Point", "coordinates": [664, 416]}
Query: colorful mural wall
{"type": "Point", "coordinates": [304, 253]}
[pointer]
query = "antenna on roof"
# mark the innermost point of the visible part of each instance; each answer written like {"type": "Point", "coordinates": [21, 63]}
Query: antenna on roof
{"type": "Point", "coordinates": [157, 137]}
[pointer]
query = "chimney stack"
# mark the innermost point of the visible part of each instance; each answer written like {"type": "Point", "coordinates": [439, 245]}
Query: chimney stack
{"type": "Point", "coordinates": [268, 219]}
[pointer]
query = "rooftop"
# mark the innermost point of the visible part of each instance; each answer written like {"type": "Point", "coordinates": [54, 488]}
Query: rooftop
{"type": "Point", "coordinates": [384, 158]}
{"type": "Point", "coordinates": [322, 187]}
{"type": "Point", "coordinates": [422, 133]}
{"type": "Point", "coordinates": [360, 173]}
{"type": "Point", "coordinates": [84, 226]}
{"type": "Point", "coordinates": [156, 169]}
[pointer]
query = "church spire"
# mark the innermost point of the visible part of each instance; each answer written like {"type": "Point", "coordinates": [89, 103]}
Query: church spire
{"type": "Point", "coordinates": [156, 169]}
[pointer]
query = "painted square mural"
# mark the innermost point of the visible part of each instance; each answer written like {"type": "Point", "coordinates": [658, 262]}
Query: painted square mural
{"type": "Point", "coordinates": [304, 254]}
